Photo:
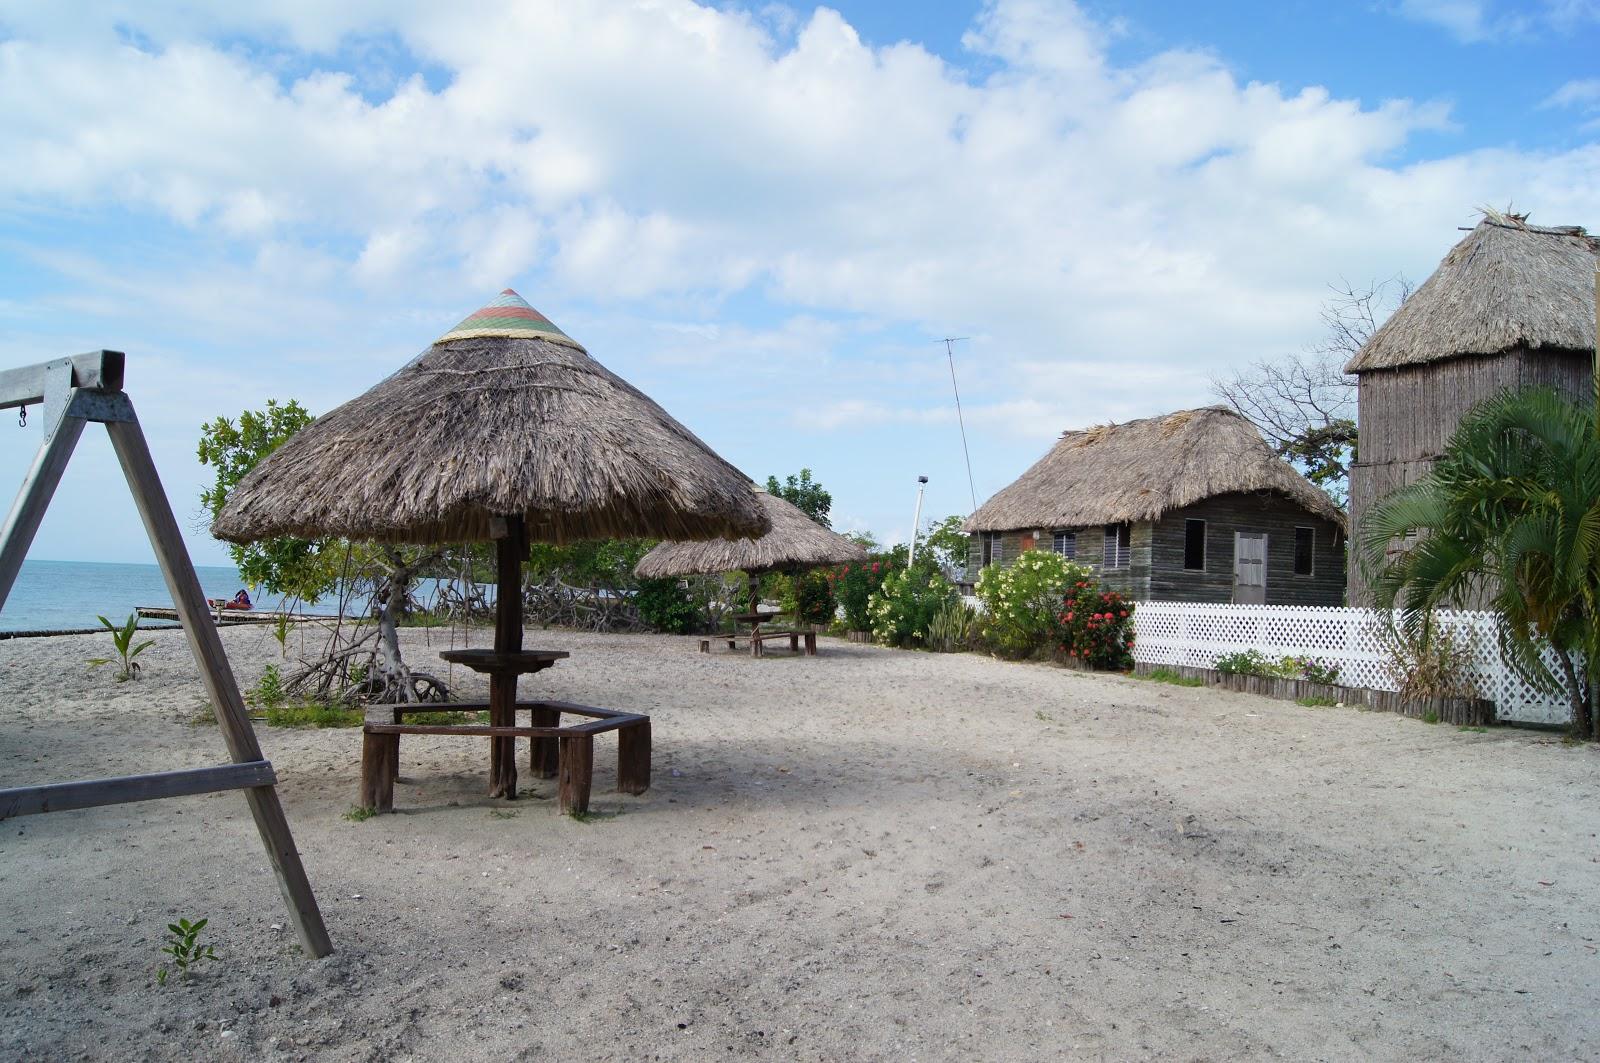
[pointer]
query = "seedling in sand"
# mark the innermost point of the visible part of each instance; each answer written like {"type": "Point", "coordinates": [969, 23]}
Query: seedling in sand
{"type": "Point", "coordinates": [1316, 702]}
{"type": "Point", "coordinates": [184, 947]}
{"type": "Point", "coordinates": [359, 813]}
{"type": "Point", "coordinates": [122, 637]}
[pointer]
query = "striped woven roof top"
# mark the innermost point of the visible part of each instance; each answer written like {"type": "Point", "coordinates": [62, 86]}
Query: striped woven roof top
{"type": "Point", "coordinates": [509, 316]}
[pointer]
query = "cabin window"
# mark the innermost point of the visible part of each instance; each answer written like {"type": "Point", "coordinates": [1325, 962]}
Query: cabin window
{"type": "Point", "coordinates": [1117, 546]}
{"type": "Point", "coordinates": [1065, 543]}
{"type": "Point", "coordinates": [1194, 545]}
{"type": "Point", "coordinates": [992, 552]}
{"type": "Point", "coordinates": [1305, 541]}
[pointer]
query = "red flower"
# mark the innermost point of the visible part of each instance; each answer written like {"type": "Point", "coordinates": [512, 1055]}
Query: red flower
{"type": "Point", "coordinates": [847, 570]}
{"type": "Point", "coordinates": [1069, 616]}
{"type": "Point", "coordinates": [874, 566]}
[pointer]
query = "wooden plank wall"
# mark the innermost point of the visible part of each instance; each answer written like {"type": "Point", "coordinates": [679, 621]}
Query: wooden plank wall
{"type": "Point", "coordinates": [1407, 415]}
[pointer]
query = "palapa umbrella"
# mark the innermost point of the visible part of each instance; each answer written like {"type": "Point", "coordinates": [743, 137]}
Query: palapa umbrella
{"type": "Point", "coordinates": [795, 542]}
{"type": "Point", "coordinates": [503, 429]}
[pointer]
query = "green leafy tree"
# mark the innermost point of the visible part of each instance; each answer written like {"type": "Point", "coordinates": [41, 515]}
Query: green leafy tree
{"type": "Point", "coordinates": [606, 563]}
{"type": "Point", "coordinates": [301, 568]}
{"type": "Point", "coordinates": [805, 494]}
{"type": "Point", "coordinates": [947, 544]}
{"type": "Point", "coordinates": [1511, 511]}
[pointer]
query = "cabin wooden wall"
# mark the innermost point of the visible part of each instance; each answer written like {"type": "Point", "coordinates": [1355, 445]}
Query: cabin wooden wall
{"type": "Point", "coordinates": [1226, 514]}
{"type": "Point", "coordinates": [1407, 415]}
{"type": "Point", "coordinates": [1155, 571]}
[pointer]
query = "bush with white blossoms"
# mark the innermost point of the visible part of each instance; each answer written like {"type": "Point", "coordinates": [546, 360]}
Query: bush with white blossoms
{"type": "Point", "coordinates": [1022, 604]}
{"type": "Point", "coordinates": [903, 608]}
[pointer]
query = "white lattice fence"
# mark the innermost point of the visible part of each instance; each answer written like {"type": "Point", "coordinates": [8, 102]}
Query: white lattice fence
{"type": "Point", "coordinates": [1196, 635]}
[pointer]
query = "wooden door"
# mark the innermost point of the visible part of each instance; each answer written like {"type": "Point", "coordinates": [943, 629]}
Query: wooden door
{"type": "Point", "coordinates": [1250, 568]}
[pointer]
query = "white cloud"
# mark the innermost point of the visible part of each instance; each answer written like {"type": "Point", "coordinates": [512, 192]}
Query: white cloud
{"type": "Point", "coordinates": [718, 188]}
{"type": "Point", "coordinates": [1475, 21]}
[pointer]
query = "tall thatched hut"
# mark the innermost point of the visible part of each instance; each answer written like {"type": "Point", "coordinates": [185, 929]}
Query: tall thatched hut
{"type": "Point", "coordinates": [1511, 306]}
{"type": "Point", "coordinates": [795, 542]}
{"type": "Point", "coordinates": [1190, 506]}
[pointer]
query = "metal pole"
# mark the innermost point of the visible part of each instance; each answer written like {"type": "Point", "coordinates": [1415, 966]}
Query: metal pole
{"type": "Point", "coordinates": [916, 521]}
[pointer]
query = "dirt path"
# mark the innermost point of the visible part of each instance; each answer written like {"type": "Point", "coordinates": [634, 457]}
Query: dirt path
{"type": "Point", "coordinates": [867, 855]}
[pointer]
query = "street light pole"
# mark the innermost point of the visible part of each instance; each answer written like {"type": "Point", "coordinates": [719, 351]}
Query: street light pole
{"type": "Point", "coordinates": [916, 521]}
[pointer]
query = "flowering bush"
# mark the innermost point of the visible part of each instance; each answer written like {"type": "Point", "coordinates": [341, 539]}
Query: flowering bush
{"type": "Point", "coordinates": [855, 586]}
{"type": "Point", "coordinates": [814, 599]}
{"type": "Point", "coordinates": [1022, 604]}
{"type": "Point", "coordinates": [1097, 626]}
{"type": "Point", "coordinates": [904, 607]}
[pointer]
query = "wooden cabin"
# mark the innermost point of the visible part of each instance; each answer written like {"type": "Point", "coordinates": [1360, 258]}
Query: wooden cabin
{"type": "Point", "coordinates": [1191, 506]}
{"type": "Point", "coordinates": [1511, 306]}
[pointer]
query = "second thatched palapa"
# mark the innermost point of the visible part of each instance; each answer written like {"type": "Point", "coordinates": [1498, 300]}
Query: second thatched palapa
{"type": "Point", "coordinates": [795, 541]}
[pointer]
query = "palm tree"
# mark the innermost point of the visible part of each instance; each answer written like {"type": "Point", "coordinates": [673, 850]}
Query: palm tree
{"type": "Point", "coordinates": [1512, 512]}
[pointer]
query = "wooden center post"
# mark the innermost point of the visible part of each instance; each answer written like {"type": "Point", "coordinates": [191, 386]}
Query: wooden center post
{"type": "Point", "coordinates": [511, 546]}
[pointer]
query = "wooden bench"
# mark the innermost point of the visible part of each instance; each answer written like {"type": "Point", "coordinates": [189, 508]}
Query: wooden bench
{"type": "Point", "coordinates": [758, 641]}
{"type": "Point", "coordinates": [567, 752]}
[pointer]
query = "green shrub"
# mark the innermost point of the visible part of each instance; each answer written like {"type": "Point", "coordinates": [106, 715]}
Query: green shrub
{"type": "Point", "coordinates": [954, 628]}
{"type": "Point", "coordinates": [1022, 604]}
{"type": "Point", "coordinates": [814, 600]}
{"type": "Point", "coordinates": [665, 606]}
{"type": "Point", "coordinates": [1253, 662]}
{"type": "Point", "coordinates": [905, 605]}
{"type": "Point", "coordinates": [1097, 626]}
{"type": "Point", "coordinates": [855, 585]}
{"type": "Point", "coordinates": [268, 693]}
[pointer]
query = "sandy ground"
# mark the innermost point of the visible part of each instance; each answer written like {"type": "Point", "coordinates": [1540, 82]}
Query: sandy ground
{"type": "Point", "coordinates": [866, 855]}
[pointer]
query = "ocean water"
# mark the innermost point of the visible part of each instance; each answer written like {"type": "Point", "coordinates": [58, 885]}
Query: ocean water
{"type": "Point", "coordinates": [65, 595]}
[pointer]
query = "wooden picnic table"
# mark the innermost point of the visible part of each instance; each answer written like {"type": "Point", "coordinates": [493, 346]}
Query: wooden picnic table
{"type": "Point", "coordinates": [503, 667]}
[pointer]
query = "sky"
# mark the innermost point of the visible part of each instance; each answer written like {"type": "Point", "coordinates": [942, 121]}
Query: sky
{"type": "Point", "coordinates": [766, 217]}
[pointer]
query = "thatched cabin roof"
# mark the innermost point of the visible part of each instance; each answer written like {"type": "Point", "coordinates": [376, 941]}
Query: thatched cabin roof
{"type": "Point", "coordinates": [1137, 471]}
{"type": "Point", "coordinates": [1507, 284]}
{"type": "Point", "coordinates": [503, 415]}
{"type": "Point", "coordinates": [795, 541]}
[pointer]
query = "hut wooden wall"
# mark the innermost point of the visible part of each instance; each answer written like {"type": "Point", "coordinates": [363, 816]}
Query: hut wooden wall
{"type": "Point", "coordinates": [1226, 514]}
{"type": "Point", "coordinates": [1407, 415]}
{"type": "Point", "coordinates": [1155, 571]}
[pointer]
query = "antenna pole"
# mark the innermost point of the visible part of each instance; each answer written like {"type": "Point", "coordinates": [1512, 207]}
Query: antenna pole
{"type": "Point", "coordinates": [950, 354]}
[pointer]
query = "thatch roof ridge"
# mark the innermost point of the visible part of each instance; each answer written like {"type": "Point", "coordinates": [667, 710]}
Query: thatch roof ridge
{"type": "Point", "coordinates": [795, 541]}
{"type": "Point", "coordinates": [1506, 284]}
{"type": "Point", "coordinates": [1138, 470]}
{"type": "Point", "coordinates": [486, 425]}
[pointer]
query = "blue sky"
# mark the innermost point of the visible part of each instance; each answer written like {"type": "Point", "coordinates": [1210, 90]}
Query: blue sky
{"type": "Point", "coordinates": [763, 216]}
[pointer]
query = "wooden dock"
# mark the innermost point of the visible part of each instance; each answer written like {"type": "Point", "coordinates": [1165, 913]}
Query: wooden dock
{"type": "Point", "coordinates": [232, 616]}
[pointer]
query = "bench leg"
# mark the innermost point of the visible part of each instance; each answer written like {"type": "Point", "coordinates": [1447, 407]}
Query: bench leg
{"type": "Point", "coordinates": [811, 643]}
{"type": "Point", "coordinates": [544, 754]}
{"type": "Point", "coordinates": [577, 772]}
{"type": "Point", "coordinates": [705, 645]}
{"type": "Point", "coordinates": [380, 756]}
{"type": "Point", "coordinates": [794, 643]}
{"type": "Point", "coordinates": [503, 751]}
{"type": "Point", "coordinates": [633, 758]}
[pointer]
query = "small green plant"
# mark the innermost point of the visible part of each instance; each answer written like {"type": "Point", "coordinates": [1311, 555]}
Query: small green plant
{"type": "Point", "coordinates": [280, 631]}
{"type": "Point", "coordinates": [1170, 677]}
{"type": "Point", "coordinates": [1430, 717]}
{"type": "Point", "coordinates": [313, 714]}
{"type": "Point", "coordinates": [359, 813]}
{"type": "Point", "coordinates": [122, 638]}
{"type": "Point", "coordinates": [593, 817]}
{"type": "Point", "coordinates": [183, 945]}
{"type": "Point", "coordinates": [502, 813]}
{"type": "Point", "coordinates": [268, 693]}
{"type": "Point", "coordinates": [1317, 702]}
{"type": "Point", "coordinates": [1474, 730]}
{"type": "Point", "coordinates": [1253, 662]}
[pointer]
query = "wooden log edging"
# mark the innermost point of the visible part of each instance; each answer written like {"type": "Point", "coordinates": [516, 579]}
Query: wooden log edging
{"type": "Point", "coordinates": [1463, 712]}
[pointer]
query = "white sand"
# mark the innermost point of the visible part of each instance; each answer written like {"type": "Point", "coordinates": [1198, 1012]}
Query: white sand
{"type": "Point", "coordinates": [866, 855]}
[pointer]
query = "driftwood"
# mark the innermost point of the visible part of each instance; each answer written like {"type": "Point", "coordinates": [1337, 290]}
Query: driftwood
{"type": "Point", "coordinates": [552, 603]}
{"type": "Point", "coordinates": [351, 670]}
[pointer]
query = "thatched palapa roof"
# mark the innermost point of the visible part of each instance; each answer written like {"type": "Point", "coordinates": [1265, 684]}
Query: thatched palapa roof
{"type": "Point", "coordinates": [1137, 471]}
{"type": "Point", "coordinates": [503, 415]}
{"type": "Point", "coordinates": [795, 541]}
{"type": "Point", "coordinates": [1507, 284]}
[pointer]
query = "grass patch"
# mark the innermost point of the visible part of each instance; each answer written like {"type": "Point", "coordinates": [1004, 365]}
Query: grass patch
{"type": "Point", "coordinates": [502, 813]}
{"type": "Point", "coordinates": [1171, 678]}
{"type": "Point", "coordinates": [1475, 730]}
{"type": "Point", "coordinates": [311, 714]}
{"type": "Point", "coordinates": [1040, 714]}
{"type": "Point", "coordinates": [593, 817]}
{"type": "Point", "coordinates": [1430, 717]}
{"type": "Point", "coordinates": [447, 717]}
{"type": "Point", "coordinates": [1317, 701]}
{"type": "Point", "coordinates": [358, 814]}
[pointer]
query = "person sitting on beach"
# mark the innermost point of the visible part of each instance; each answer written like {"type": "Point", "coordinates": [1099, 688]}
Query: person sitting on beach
{"type": "Point", "coordinates": [240, 601]}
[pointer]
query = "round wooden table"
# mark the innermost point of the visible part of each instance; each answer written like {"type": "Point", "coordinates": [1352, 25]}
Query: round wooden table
{"type": "Point", "coordinates": [503, 667]}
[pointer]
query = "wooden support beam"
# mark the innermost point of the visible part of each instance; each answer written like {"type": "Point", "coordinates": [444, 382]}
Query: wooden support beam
{"type": "Point", "coordinates": [27, 385]}
{"type": "Point", "coordinates": [133, 453]}
{"type": "Point", "coordinates": [91, 793]}
{"type": "Point", "coordinates": [633, 758]}
{"type": "Point", "coordinates": [38, 487]}
{"type": "Point", "coordinates": [577, 774]}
